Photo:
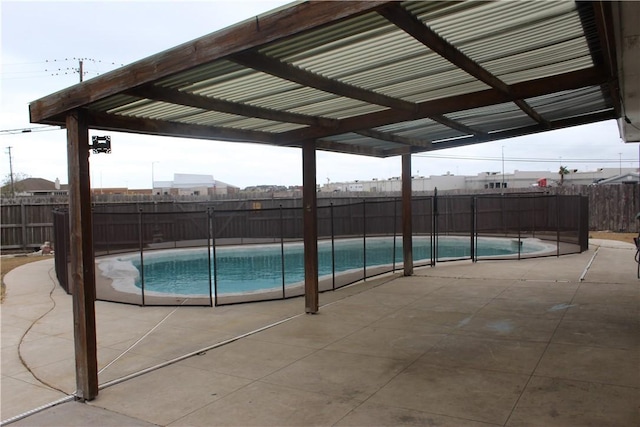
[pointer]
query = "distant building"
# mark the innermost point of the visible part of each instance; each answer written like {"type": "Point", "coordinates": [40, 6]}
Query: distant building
{"type": "Point", "coordinates": [114, 191]}
{"type": "Point", "coordinates": [627, 178]}
{"type": "Point", "coordinates": [193, 185]}
{"type": "Point", "coordinates": [488, 181]}
{"type": "Point", "coordinates": [36, 187]}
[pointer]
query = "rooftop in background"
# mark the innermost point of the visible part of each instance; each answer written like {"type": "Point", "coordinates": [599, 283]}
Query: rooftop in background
{"type": "Point", "coordinates": [36, 187]}
{"type": "Point", "coordinates": [378, 78]}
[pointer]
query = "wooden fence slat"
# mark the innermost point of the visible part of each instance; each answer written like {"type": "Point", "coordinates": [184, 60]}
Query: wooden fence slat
{"type": "Point", "coordinates": [28, 222]}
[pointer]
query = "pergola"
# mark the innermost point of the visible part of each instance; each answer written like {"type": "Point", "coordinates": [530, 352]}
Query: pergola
{"type": "Point", "coordinates": [371, 78]}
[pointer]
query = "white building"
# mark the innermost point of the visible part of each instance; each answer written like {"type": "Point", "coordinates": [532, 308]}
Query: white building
{"type": "Point", "coordinates": [483, 180]}
{"type": "Point", "coordinates": [184, 184]}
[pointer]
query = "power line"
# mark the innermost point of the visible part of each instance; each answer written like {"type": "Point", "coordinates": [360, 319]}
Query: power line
{"type": "Point", "coordinates": [13, 190]}
{"type": "Point", "coordinates": [58, 67]}
{"type": "Point", "coordinates": [526, 159]}
{"type": "Point", "coordinates": [29, 130]}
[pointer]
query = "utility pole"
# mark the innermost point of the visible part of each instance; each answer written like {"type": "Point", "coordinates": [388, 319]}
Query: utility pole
{"type": "Point", "coordinates": [502, 190]}
{"type": "Point", "coordinates": [13, 190]}
{"type": "Point", "coordinates": [80, 69]}
{"type": "Point", "coordinates": [620, 168]}
{"type": "Point", "coordinates": [153, 179]}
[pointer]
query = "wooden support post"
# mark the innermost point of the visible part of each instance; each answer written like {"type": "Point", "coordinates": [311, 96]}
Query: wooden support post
{"type": "Point", "coordinates": [310, 223]}
{"type": "Point", "coordinates": [82, 278]}
{"type": "Point", "coordinates": [407, 229]}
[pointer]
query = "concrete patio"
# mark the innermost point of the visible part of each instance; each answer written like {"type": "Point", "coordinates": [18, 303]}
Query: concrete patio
{"type": "Point", "coordinates": [513, 343]}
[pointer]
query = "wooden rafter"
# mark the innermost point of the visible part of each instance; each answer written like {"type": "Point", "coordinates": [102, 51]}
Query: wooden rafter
{"type": "Point", "coordinates": [303, 77]}
{"type": "Point", "coordinates": [398, 139]}
{"type": "Point", "coordinates": [511, 133]}
{"type": "Point", "coordinates": [341, 147]}
{"type": "Point", "coordinates": [114, 122]}
{"type": "Point", "coordinates": [175, 96]}
{"type": "Point", "coordinates": [289, 72]}
{"type": "Point", "coordinates": [569, 81]}
{"type": "Point", "coordinates": [237, 38]}
{"type": "Point", "coordinates": [453, 124]}
{"type": "Point", "coordinates": [404, 20]}
{"type": "Point", "coordinates": [241, 43]}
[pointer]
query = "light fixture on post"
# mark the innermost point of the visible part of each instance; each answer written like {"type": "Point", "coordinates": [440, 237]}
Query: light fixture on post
{"type": "Point", "coordinates": [101, 144]}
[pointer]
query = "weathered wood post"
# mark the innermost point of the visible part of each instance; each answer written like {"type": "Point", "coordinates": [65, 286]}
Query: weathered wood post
{"type": "Point", "coordinates": [83, 284]}
{"type": "Point", "coordinates": [310, 223]}
{"type": "Point", "coordinates": [407, 241]}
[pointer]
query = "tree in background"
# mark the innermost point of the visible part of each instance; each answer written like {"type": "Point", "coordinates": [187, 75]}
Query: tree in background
{"type": "Point", "coordinates": [7, 189]}
{"type": "Point", "coordinates": [562, 172]}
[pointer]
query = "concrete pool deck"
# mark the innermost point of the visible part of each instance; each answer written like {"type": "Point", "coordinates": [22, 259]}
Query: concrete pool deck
{"type": "Point", "coordinates": [493, 343]}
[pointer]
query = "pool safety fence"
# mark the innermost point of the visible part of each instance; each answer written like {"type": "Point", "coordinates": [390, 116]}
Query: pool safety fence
{"type": "Point", "coordinates": [356, 241]}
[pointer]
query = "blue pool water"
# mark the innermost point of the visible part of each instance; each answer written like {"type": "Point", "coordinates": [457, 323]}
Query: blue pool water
{"type": "Point", "coordinates": [259, 267]}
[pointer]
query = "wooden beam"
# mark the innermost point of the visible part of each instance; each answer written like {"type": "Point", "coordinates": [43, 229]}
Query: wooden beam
{"type": "Point", "coordinates": [292, 73]}
{"type": "Point", "coordinates": [604, 24]}
{"type": "Point", "coordinates": [113, 122]}
{"type": "Point", "coordinates": [398, 139]}
{"type": "Point", "coordinates": [522, 104]}
{"type": "Point", "coordinates": [340, 147]}
{"type": "Point", "coordinates": [310, 222]}
{"type": "Point", "coordinates": [401, 151]}
{"type": "Point", "coordinates": [175, 96]}
{"type": "Point", "coordinates": [443, 120]}
{"type": "Point", "coordinates": [82, 275]}
{"type": "Point", "coordinates": [538, 87]}
{"type": "Point", "coordinates": [413, 26]}
{"type": "Point", "coordinates": [512, 133]}
{"type": "Point", "coordinates": [249, 34]}
{"type": "Point", "coordinates": [556, 124]}
{"type": "Point", "coordinates": [407, 228]}
{"type": "Point", "coordinates": [568, 81]}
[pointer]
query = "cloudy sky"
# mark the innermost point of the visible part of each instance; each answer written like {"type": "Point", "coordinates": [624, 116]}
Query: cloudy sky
{"type": "Point", "coordinates": [41, 43]}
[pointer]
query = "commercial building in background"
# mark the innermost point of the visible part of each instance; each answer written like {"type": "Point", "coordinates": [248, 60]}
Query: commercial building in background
{"type": "Point", "coordinates": [489, 181]}
{"type": "Point", "coordinates": [193, 185]}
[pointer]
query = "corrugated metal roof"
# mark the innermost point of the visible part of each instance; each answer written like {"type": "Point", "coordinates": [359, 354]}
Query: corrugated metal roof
{"type": "Point", "coordinates": [388, 79]}
{"type": "Point", "coordinates": [567, 104]}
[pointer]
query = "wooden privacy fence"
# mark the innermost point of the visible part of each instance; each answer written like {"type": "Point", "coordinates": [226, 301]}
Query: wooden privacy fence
{"type": "Point", "coordinates": [26, 223]}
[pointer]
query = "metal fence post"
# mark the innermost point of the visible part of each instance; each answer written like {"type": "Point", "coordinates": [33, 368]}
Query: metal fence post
{"type": "Point", "coordinates": [215, 263]}
{"type": "Point", "coordinates": [533, 231]}
{"type": "Point", "coordinates": [364, 237]}
{"type": "Point", "coordinates": [519, 210]}
{"type": "Point", "coordinates": [209, 254]}
{"type": "Point", "coordinates": [333, 250]}
{"type": "Point", "coordinates": [140, 225]}
{"type": "Point", "coordinates": [473, 214]}
{"type": "Point", "coordinates": [557, 225]}
{"type": "Point", "coordinates": [475, 228]}
{"type": "Point", "coordinates": [282, 252]}
{"type": "Point", "coordinates": [434, 247]}
{"type": "Point", "coordinates": [395, 229]}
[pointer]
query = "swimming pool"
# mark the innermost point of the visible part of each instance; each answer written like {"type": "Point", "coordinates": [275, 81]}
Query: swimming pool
{"type": "Point", "coordinates": [259, 268]}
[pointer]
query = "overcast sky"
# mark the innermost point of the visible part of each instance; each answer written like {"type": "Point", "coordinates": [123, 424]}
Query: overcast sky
{"type": "Point", "coordinates": [41, 44]}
